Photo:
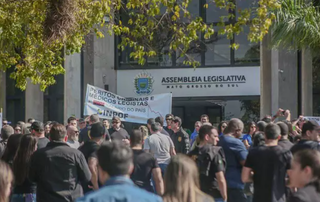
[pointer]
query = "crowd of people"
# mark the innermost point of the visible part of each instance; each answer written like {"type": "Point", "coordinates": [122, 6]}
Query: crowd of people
{"type": "Point", "coordinates": [92, 160]}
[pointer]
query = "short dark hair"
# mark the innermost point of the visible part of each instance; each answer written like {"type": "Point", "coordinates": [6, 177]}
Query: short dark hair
{"type": "Point", "coordinates": [272, 131]}
{"type": "Point", "coordinates": [58, 132]}
{"type": "Point", "coordinates": [6, 132]}
{"type": "Point", "coordinates": [150, 121]}
{"type": "Point", "coordinates": [155, 126]}
{"type": "Point", "coordinates": [136, 138]}
{"type": "Point", "coordinates": [267, 119]}
{"type": "Point", "coordinates": [94, 118]}
{"type": "Point", "coordinates": [205, 129]}
{"type": "Point", "coordinates": [311, 158]}
{"type": "Point", "coordinates": [261, 126]}
{"type": "Point", "coordinates": [177, 119]}
{"type": "Point", "coordinates": [168, 115]}
{"type": "Point", "coordinates": [309, 126]}
{"type": "Point", "coordinates": [119, 154]}
{"type": "Point", "coordinates": [30, 119]}
{"type": "Point", "coordinates": [72, 118]}
{"type": "Point", "coordinates": [160, 120]}
{"type": "Point", "coordinates": [204, 115]}
{"type": "Point", "coordinates": [97, 130]}
{"type": "Point", "coordinates": [284, 129]}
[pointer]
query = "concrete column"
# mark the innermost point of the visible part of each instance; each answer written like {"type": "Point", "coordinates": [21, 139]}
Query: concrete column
{"type": "Point", "coordinates": [3, 93]}
{"type": "Point", "coordinates": [33, 102]}
{"type": "Point", "coordinates": [88, 63]}
{"type": "Point", "coordinates": [72, 86]}
{"type": "Point", "coordinates": [306, 83]}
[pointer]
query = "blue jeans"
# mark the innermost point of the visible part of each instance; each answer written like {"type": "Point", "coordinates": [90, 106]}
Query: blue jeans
{"type": "Point", "coordinates": [219, 200]}
{"type": "Point", "coordinates": [163, 168]}
{"type": "Point", "coordinates": [23, 198]}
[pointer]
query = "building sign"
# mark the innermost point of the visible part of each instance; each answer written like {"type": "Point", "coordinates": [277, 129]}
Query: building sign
{"type": "Point", "coordinates": [131, 109]}
{"type": "Point", "coordinates": [185, 82]}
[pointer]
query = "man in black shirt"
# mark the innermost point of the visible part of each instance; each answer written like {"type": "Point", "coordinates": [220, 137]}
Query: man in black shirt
{"type": "Point", "coordinates": [269, 164]}
{"type": "Point", "coordinates": [145, 166]}
{"type": "Point", "coordinates": [58, 169]}
{"type": "Point", "coordinates": [89, 149]}
{"type": "Point", "coordinates": [309, 140]}
{"type": "Point", "coordinates": [6, 132]}
{"type": "Point", "coordinates": [85, 133]}
{"type": "Point", "coordinates": [118, 133]}
{"type": "Point", "coordinates": [210, 161]}
{"type": "Point", "coordinates": [284, 142]}
{"type": "Point", "coordinates": [179, 138]}
{"type": "Point", "coordinates": [37, 129]}
{"type": "Point", "coordinates": [169, 118]}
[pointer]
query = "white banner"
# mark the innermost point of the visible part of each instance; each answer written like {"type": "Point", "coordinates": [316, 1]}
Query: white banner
{"type": "Point", "coordinates": [131, 109]}
{"type": "Point", "coordinates": [313, 118]}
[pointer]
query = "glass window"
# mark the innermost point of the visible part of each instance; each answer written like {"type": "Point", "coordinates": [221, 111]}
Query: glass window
{"type": "Point", "coordinates": [193, 9]}
{"type": "Point", "coordinates": [245, 4]}
{"type": "Point", "coordinates": [217, 50]}
{"type": "Point", "coordinates": [213, 13]}
{"type": "Point", "coordinates": [247, 52]}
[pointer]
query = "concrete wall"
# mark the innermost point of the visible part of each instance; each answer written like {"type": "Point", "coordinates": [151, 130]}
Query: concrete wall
{"type": "Point", "coordinates": [33, 102]}
{"type": "Point", "coordinates": [307, 83]}
{"type": "Point", "coordinates": [3, 92]}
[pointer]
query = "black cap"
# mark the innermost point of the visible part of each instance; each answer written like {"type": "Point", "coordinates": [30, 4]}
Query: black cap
{"type": "Point", "coordinates": [97, 130]}
{"type": "Point", "coordinates": [310, 125]}
{"type": "Point", "coordinates": [37, 126]}
{"type": "Point", "coordinates": [283, 128]}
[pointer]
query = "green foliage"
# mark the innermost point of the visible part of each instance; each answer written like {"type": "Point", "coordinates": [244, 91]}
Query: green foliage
{"type": "Point", "coordinates": [35, 34]}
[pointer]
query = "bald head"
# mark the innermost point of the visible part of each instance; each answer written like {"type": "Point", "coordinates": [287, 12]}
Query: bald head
{"type": "Point", "coordinates": [235, 127]}
{"type": "Point", "coordinates": [73, 133]}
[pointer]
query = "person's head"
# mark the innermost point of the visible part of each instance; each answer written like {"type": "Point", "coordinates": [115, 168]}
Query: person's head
{"type": "Point", "coordinates": [72, 121]}
{"type": "Point", "coordinates": [58, 132]}
{"type": "Point", "coordinates": [284, 130]}
{"type": "Point", "coordinates": [176, 123]}
{"type": "Point", "coordinates": [73, 133]}
{"type": "Point", "coordinates": [261, 126]}
{"type": "Point", "coordinates": [37, 129]}
{"type": "Point", "coordinates": [160, 120]}
{"type": "Point", "coordinates": [6, 132]}
{"type": "Point", "coordinates": [155, 127]}
{"type": "Point", "coordinates": [272, 131]}
{"type": "Point", "coordinates": [208, 134]}
{"type": "Point", "coordinates": [4, 122]}
{"type": "Point", "coordinates": [94, 118]}
{"type": "Point", "coordinates": [251, 128]}
{"type": "Point", "coordinates": [21, 162]}
{"type": "Point", "coordinates": [149, 122]}
{"type": "Point", "coordinates": [121, 157]}
{"type": "Point", "coordinates": [235, 128]}
{"type": "Point", "coordinates": [82, 123]}
{"type": "Point", "coordinates": [12, 147]}
{"type": "Point", "coordinates": [144, 131]}
{"type": "Point", "coordinates": [305, 168]}
{"type": "Point", "coordinates": [136, 138]}
{"type": "Point", "coordinates": [31, 120]}
{"type": "Point", "coordinates": [258, 139]}
{"type": "Point", "coordinates": [197, 126]}
{"type": "Point", "coordinates": [18, 129]}
{"type": "Point", "coordinates": [310, 130]}
{"type": "Point", "coordinates": [181, 180]}
{"type": "Point", "coordinates": [97, 132]}
{"type": "Point", "coordinates": [47, 127]}
{"type": "Point", "coordinates": [169, 118]}
{"type": "Point", "coordinates": [267, 119]}
{"type": "Point", "coordinates": [116, 122]}
{"type": "Point", "coordinates": [106, 123]}
{"type": "Point", "coordinates": [204, 118]}
{"type": "Point", "coordinates": [6, 180]}
{"type": "Point", "coordinates": [222, 125]}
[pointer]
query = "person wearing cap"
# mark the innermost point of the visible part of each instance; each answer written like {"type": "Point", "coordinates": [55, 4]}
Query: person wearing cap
{"type": "Point", "coordinates": [89, 149]}
{"type": "Point", "coordinates": [37, 129]}
{"type": "Point", "coordinates": [169, 118]}
{"type": "Point", "coordinates": [284, 132]}
{"type": "Point", "coordinates": [180, 138]}
{"type": "Point", "coordinates": [6, 132]}
{"type": "Point", "coordinates": [73, 137]}
{"type": "Point", "coordinates": [84, 135]}
{"type": "Point", "coordinates": [309, 137]}
{"type": "Point", "coordinates": [82, 124]}
{"type": "Point", "coordinates": [118, 133]}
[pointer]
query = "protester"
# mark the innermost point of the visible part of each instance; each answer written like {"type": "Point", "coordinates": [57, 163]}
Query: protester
{"type": "Point", "coordinates": [204, 118]}
{"type": "Point", "coordinates": [284, 142]}
{"type": "Point", "coordinates": [269, 164]}
{"type": "Point", "coordinates": [114, 168]}
{"type": "Point", "coordinates": [6, 180]}
{"type": "Point", "coordinates": [222, 125]}
{"type": "Point", "coordinates": [106, 124]}
{"type": "Point", "coordinates": [181, 182]}
{"type": "Point", "coordinates": [73, 137]}
{"type": "Point", "coordinates": [149, 122]}
{"type": "Point", "coordinates": [210, 161]}
{"type": "Point", "coordinates": [235, 154]}
{"type": "Point", "coordinates": [58, 169]}
{"type": "Point", "coordinates": [24, 190]}
{"type": "Point", "coordinates": [261, 125]}
{"type": "Point", "coordinates": [160, 120]}
{"type": "Point", "coordinates": [161, 146]}
{"type": "Point", "coordinates": [6, 132]}
{"type": "Point", "coordinates": [145, 165]}
{"type": "Point", "coordinates": [305, 175]}
{"type": "Point", "coordinates": [11, 149]}
{"type": "Point", "coordinates": [31, 120]}
{"type": "Point", "coordinates": [82, 124]}
{"type": "Point", "coordinates": [118, 133]}
{"type": "Point", "coordinates": [144, 131]}
{"type": "Point", "coordinates": [4, 122]}
{"type": "Point", "coordinates": [84, 135]}
{"type": "Point", "coordinates": [26, 129]}
{"type": "Point", "coordinates": [169, 118]}
{"type": "Point", "coordinates": [72, 121]}
{"type": "Point", "coordinates": [18, 129]}
{"type": "Point", "coordinates": [179, 138]}
{"type": "Point", "coordinates": [37, 129]}
{"type": "Point", "coordinates": [258, 139]}
{"type": "Point", "coordinates": [47, 128]}
{"type": "Point", "coordinates": [195, 133]}
{"type": "Point", "coordinates": [309, 137]}
{"type": "Point", "coordinates": [247, 139]}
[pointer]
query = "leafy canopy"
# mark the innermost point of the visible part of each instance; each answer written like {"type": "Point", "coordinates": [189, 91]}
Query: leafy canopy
{"type": "Point", "coordinates": [35, 34]}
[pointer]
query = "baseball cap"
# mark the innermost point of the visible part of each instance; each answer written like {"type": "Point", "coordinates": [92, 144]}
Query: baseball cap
{"type": "Point", "coordinates": [97, 130]}
{"type": "Point", "coordinates": [177, 119]}
{"type": "Point", "coordinates": [310, 125]}
{"type": "Point", "coordinates": [37, 126]}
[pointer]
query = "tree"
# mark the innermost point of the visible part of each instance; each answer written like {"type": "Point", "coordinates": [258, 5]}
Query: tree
{"type": "Point", "coordinates": [35, 34]}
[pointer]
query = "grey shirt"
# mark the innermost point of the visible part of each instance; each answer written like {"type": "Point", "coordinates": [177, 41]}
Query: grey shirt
{"type": "Point", "coordinates": [159, 145]}
{"type": "Point", "coordinates": [73, 144]}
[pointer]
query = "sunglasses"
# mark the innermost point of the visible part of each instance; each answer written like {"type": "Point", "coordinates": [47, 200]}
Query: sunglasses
{"type": "Point", "coordinates": [4, 124]}
{"type": "Point", "coordinates": [17, 129]}
{"type": "Point", "coordinates": [168, 119]}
